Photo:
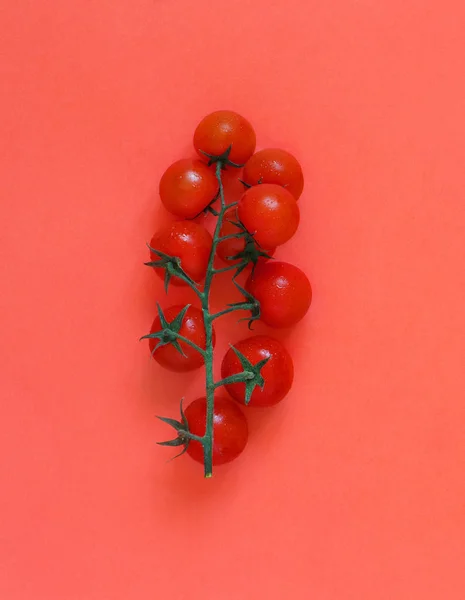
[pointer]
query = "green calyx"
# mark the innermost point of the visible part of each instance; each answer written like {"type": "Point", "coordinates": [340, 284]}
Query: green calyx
{"type": "Point", "coordinates": [222, 159]}
{"type": "Point", "coordinates": [251, 304]}
{"type": "Point", "coordinates": [172, 266]}
{"type": "Point", "coordinates": [251, 375]}
{"type": "Point", "coordinates": [182, 428]}
{"type": "Point", "coordinates": [252, 250]}
{"type": "Point", "coordinates": [169, 332]}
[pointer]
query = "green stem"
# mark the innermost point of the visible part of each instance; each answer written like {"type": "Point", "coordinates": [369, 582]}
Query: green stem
{"type": "Point", "coordinates": [187, 435]}
{"type": "Point", "coordinates": [236, 378]}
{"type": "Point", "coordinates": [208, 322]}
{"type": "Point", "coordinates": [210, 385]}
{"type": "Point", "coordinates": [181, 338]}
{"type": "Point", "coordinates": [230, 268]}
{"type": "Point", "coordinates": [226, 311]}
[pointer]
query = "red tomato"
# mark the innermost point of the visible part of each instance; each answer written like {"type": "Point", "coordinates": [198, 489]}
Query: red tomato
{"type": "Point", "coordinates": [284, 293]}
{"type": "Point", "coordinates": [270, 212]}
{"type": "Point", "coordinates": [278, 372]}
{"type": "Point", "coordinates": [193, 329]}
{"type": "Point", "coordinates": [235, 245]}
{"type": "Point", "coordinates": [273, 165]}
{"type": "Point", "coordinates": [188, 241]}
{"type": "Point", "coordinates": [187, 187]}
{"type": "Point", "coordinates": [230, 431]}
{"type": "Point", "coordinates": [221, 129]}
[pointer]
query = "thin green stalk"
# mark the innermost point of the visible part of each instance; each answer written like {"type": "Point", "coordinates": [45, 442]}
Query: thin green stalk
{"type": "Point", "coordinates": [237, 378]}
{"type": "Point", "coordinates": [230, 268]}
{"type": "Point", "coordinates": [227, 311]}
{"type": "Point", "coordinates": [208, 322]}
{"type": "Point", "coordinates": [190, 343]}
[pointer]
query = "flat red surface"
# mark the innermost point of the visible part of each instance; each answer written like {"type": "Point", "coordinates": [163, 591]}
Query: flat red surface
{"type": "Point", "coordinates": [353, 488]}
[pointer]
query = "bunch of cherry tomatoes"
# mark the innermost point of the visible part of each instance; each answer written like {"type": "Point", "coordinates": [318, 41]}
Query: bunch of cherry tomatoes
{"type": "Point", "coordinates": [258, 370]}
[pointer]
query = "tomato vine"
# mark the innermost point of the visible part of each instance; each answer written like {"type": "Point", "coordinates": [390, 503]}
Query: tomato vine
{"type": "Point", "coordinates": [250, 374]}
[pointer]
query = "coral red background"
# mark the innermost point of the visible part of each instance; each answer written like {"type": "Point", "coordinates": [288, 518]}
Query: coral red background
{"type": "Point", "coordinates": [353, 488]}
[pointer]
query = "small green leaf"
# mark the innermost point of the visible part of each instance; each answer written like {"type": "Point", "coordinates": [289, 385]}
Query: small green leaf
{"type": "Point", "coordinates": [223, 159]}
{"type": "Point", "coordinates": [239, 269]}
{"type": "Point", "coordinates": [245, 293]}
{"type": "Point", "coordinates": [178, 348]}
{"type": "Point", "coordinates": [186, 445]}
{"type": "Point", "coordinates": [167, 279]}
{"type": "Point", "coordinates": [257, 379]}
{"type": "Point", "coordinates": [159, 253]}
{"type": "Point", "coordinates": [176, 424]}
{"type": "Point", "coordinates": [213, 211]}
{"type": "Point", "coordinates": [163, 322]}
{"type": "Point", "coordinates": [159, 345]}
{"type": "Point", "coordinates": [182, 429]}
{"type": "Point", "coordinates": [176, 442]}
{"type": "Point", "coordinates": [176, 324]}
{"type": "Point", "coordinates": [245, 362]}
{"type": "Point", "coordinates": [246, 185]}
{"type": "Point", "coordinates": [183, 416]}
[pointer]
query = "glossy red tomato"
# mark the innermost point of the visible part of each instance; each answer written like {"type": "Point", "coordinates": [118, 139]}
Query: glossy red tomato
{"type": "Point", "coordinates": [234, 246]}
{"type": "Point", "coordinates": [273, 165]}
{"type": "Point", "coordinates": [270, 212]}
{"type": "Point", "coordinates": [193, 329]}
{"type": "Point", "coordinates": [187, 187]}
{"type": "Point", "coordinates": [221, 129]}
{"type": "Point", "coordinates": [284, 293]}
{"type": "Point", "coordinates": [230, 431]}
{"type": "Point", "coordinates": [278, 372]}
{"type": "Point", "coordinates": [188, 241]}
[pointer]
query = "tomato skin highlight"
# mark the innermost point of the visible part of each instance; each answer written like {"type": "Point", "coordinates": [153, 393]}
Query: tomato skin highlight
{"type": "Point", "coordinates": [278, 372]}
{"type": "Point", "coordinates": [221, 129]}
{"type": "Point", "coordinates": [284, 293]}
{"type": "Point", "coordinates": [274, 165]}
{"type": "Point", "coordinates": [270, 213]}
{"type": "Point", "coordinates": [188, 241]}
{"type": "Point", "coordinates": [187, 187]}
{"type": "Point", "coordinates": [230, 430]}
{"type": "Point", "coordinates": [193, 329]}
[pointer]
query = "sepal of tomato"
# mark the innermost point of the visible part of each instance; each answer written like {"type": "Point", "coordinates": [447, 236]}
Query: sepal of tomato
{"type": "Point", "coordinates": [182, 429]}
{"type": "Point", "coordinates": [171, 266]}
{"type": "Point", "coordinates": [251, 304]}
{"type": "Point", "coordinates": [222, 158]}
{"type": "Point", "coordinates": [177, 338]}
{"type": "Point", "coordinates": [251, 375]}
{"type": "Point", "coordinates": [240, 247]}
{"type": "Point", "coordinates": [277, 371]}
{"type": "Point", "coordinates": [168, 333]}
{"type": "Point", "coordinates": [230, 430]}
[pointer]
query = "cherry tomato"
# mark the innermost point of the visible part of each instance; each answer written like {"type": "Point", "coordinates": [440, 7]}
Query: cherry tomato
{"type": "Point", "coordinates": [188, 241]}
{"type": "Point", "coordinates": [193, 329]}
{"type": "Point", "coordinates": [284, 293]}
{"type": "Point", "coordinates": [230, 431]}
{"type": "Point", "coordinates": [187, 187]}
{"type": "Point", "coordinates": [273, 165]}
{"type": "Point", "coordinates": [269, 212]}
{"type": "Point", "coordinates": [278, 372]}
{"type": "Point", "coordinates": [234, 246]}
{"type": "Point", "coordinates": [221, 129]}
